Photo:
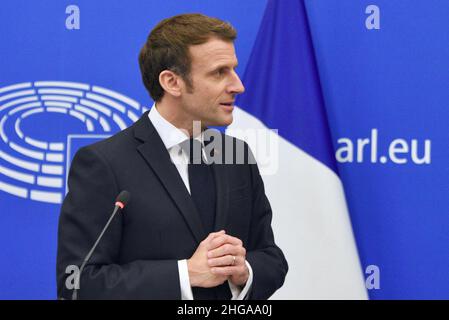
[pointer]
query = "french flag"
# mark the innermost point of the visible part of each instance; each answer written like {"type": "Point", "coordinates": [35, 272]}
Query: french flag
{"type": "Point", "coordinates": [310, 217]}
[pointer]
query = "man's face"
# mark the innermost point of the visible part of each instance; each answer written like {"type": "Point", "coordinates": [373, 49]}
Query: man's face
{"type": "Point", "coordinates": [214, 83]}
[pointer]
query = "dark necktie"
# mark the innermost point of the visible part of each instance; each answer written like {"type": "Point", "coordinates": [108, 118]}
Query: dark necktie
{"type": "Point", "coordinates": [202, 183]}
{"type": "Point", "coordinates": [203, 193]}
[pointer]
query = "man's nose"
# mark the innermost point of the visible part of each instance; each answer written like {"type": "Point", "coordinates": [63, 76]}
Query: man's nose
{"type": "Point", "coordinates": [236, 85]}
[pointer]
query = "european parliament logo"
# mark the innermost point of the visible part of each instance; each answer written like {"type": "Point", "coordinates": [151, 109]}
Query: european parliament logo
{"type": "Point", "coordinates": [43, 123]}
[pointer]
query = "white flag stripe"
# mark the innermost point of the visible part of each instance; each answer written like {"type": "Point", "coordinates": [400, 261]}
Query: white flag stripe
{"type": "Point", "coordinates": [311, 225]}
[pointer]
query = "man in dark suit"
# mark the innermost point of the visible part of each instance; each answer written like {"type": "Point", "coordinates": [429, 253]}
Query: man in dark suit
{"type": "Point", "coordinates": [197, 226]}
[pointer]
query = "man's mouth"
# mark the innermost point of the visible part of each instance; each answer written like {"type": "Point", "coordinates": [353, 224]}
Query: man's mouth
{"type": "Point", "coordinates": [228, 104]}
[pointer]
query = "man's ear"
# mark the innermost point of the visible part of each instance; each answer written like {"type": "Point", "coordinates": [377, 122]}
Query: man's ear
{"type": "Point", "coordinates": [170, 82]}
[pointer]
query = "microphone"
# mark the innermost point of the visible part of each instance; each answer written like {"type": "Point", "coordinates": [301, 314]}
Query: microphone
{"type": "Point", "coordinates": [120, 202]}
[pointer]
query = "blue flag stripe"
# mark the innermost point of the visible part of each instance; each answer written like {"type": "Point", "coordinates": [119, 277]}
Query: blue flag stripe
{"type": "Point", "coordinates": [282, 84]}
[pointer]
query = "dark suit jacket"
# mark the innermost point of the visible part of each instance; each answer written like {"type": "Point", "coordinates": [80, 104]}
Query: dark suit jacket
{"type": "Point", "coordinates": [137, 257]}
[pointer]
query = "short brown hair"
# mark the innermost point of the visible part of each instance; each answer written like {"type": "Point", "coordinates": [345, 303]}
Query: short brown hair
{"type": "Point", "coordinates": [167, 47]}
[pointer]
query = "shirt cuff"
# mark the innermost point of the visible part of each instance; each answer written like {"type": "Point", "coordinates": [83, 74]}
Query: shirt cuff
{"type": "Point", "coordinates": [240, 294]}
{"type": "Point", "coordinates": [184, 281]}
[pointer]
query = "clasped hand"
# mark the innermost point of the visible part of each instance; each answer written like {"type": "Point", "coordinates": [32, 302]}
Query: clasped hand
{"type": "Point", "coordinates": [218, 258]}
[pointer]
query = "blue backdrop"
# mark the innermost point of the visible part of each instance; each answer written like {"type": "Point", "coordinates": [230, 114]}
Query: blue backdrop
{"type": "Point", "coordinates": [393, 79]}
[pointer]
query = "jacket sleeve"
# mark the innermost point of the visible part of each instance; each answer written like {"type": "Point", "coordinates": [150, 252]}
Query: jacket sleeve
{"type": "Point", "coordinates": [266, 258]}
{"type": "Point", "coordinates": [85, 211]}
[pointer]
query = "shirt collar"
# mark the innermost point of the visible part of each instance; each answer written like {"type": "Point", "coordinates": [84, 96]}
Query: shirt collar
{"type": "Point", "coordinates": [170, 135]}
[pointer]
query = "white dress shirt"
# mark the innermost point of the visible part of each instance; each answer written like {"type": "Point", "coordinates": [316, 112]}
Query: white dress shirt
{"type": "Point", "coordinates": [172, 137]}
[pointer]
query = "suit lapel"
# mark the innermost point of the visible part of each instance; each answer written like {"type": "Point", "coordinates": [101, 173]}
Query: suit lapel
{"type": "Point", "coordinates": [154, 152]}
